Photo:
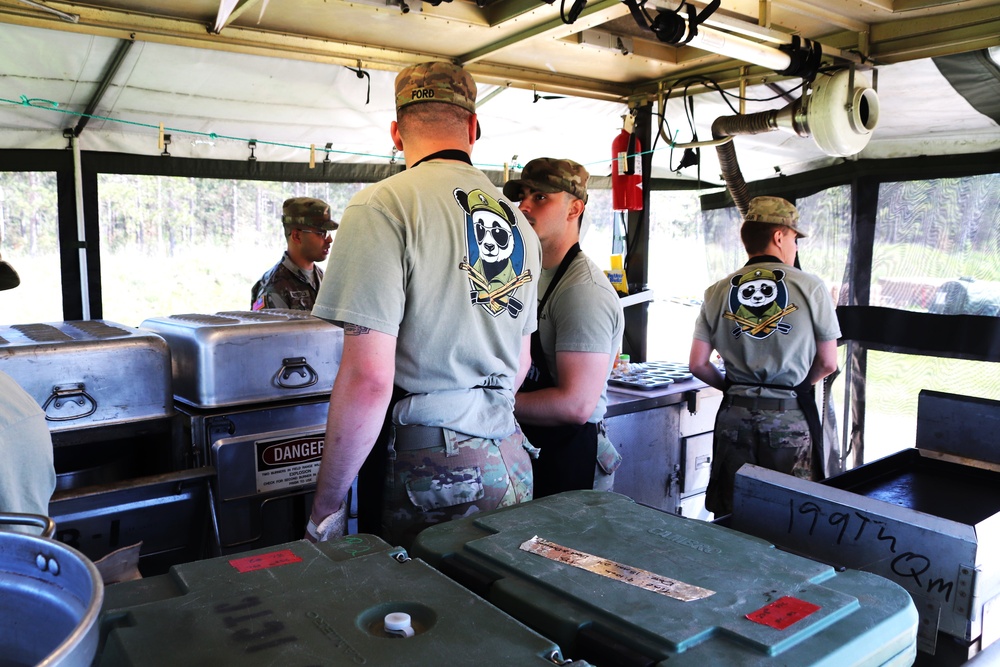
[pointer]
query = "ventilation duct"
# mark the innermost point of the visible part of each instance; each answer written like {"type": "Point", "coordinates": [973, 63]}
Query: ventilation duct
{"type": "Point", "coordinates": [839, 112]}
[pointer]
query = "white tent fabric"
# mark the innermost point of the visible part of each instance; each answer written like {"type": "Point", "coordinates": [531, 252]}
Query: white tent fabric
{"type": "Point", "coordinates": [212, 103]}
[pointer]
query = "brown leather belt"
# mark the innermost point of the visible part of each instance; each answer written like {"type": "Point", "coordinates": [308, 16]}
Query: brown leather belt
{"type": "Point", "coordinates": [758, 403]}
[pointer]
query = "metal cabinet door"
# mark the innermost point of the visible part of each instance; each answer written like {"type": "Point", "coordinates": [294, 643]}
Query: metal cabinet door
{"type": "Point", "coordinates": [648, 441]}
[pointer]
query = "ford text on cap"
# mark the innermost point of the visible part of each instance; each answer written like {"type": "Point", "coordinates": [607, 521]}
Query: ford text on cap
{"type": "Point", "coordinates": [774, 210]}
{"type": "Point", "coordinates": [307, 212]}
{"type": "Point", "coordinates": [436, 81]}
{"type": "Point", "coordinates": [548, 174]}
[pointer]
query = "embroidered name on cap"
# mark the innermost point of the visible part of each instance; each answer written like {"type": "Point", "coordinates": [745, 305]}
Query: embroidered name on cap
{"type": "Point", "coordinates": [422, 93]}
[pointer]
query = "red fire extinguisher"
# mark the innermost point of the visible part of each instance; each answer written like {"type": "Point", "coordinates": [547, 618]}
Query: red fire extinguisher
{"type": "Point", "coordinates": [626, 169]}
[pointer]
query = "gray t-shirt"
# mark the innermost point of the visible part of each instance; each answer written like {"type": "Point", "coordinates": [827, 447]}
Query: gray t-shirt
{"type": "Point", "coordinates": [765, 320]}
{"type": "Point", "coordinates": [27, 476]}
{"type": "Point", "coordinates": [583, 314]}
{"type": "Point", "coordinates": [436, 257]}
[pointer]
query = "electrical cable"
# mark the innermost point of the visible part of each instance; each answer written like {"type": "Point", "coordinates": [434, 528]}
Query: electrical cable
{"type": "Point", "coordinates": [363, 74]}
{"type": "Point", "coordinates": [574, 11]}
{"type": "Point", "coordinates": [711, 84]}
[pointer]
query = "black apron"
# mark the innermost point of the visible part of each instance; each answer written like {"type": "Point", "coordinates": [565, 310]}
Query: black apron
{"type": "Point", "coordinates": [569, 451]}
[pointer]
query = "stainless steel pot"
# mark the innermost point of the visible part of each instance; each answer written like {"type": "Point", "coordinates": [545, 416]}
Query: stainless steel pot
{"type": "Point", "coordinates": [50, 598]}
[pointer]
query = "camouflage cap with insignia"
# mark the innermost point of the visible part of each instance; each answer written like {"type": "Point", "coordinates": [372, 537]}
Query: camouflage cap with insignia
{"type": "Point", "coordinates": [436, 81]}
{"type": "Point", "coordinates": [549, 174]}
{"type": "Point", "coordinates": [307, 212]}
{"type": "Point", "coordinates": [8, 276]}
{"type": "Point", "coordinates": [758, 274]}
{"type": "Point", "coordinates": [774, 210]}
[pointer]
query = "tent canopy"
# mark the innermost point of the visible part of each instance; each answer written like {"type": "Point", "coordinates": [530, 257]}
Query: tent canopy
{"type": "Point", "coordinates": [312, 79]}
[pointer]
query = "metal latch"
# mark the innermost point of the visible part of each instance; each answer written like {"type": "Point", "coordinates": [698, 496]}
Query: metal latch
{"type": "Point", "coordinates": [692, 396]}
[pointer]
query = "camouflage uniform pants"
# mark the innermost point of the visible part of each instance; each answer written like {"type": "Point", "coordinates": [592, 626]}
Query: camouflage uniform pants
{"type": "Point", "coordinates": [774, 439]}
{"type": "Point", "coordinates": [460, 476]}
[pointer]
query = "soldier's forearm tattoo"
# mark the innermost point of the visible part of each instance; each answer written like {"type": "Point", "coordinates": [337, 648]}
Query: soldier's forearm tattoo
{"type": "Point", "coordinates": [355, 329]}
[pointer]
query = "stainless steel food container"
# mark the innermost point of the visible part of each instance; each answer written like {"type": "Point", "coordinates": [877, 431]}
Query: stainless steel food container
{"type": "Point", "coordinates": [90, 373]}
{"type": "Point", "coordinates": [241, 357]}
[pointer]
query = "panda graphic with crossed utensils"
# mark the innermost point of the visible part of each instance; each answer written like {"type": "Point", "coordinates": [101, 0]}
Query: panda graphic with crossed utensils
{"type": "Point", "coordinates": [758, 302]}
{"type": "Point", "coordinates": [495, 263]}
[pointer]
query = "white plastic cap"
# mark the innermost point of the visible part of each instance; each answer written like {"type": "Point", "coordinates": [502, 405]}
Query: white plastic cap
{"type": "Point", "coordinates": [398, 623]}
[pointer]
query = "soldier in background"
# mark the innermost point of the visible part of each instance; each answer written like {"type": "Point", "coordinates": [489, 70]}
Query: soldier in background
{"type": "Point", "coordinates": [294, 281]}
{"type": "Point", "coordinates": [27, 476]}
{"type": "Point", "coordinates": [776, 329]}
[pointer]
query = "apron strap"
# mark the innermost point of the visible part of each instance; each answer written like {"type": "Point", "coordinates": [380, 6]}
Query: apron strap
{"type": "Point", "coordinates": [540, 375]}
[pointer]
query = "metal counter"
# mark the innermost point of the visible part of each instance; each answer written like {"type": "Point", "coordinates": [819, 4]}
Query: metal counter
{"type": "Point", "coordinates": [622, 400]}
{"type": "Point", "coordinates": [665, 439]}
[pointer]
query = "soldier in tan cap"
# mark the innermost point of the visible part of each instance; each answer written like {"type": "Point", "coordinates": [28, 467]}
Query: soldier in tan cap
{"type": "Point", "coordinates": [432, 277]}
{"type": "Point", "coordinates": [562, 402]}
{"type": "Point", "coordinates": [294, 281]}
{"type": "Point", "coordinates": [776, 330]}
{"type": "Point", "coordinates": [27, 476]}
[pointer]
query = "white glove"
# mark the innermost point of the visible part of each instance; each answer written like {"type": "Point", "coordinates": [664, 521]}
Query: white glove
{"type": "Point", "coordinates": [334, 525]}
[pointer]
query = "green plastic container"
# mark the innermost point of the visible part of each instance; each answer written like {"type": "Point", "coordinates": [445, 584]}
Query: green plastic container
{"type": "Point", "coordinates": [300, 604]}
{"type": "Point", "coordinates": [620, 584]}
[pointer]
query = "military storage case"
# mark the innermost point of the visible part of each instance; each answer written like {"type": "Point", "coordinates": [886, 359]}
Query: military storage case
{"type": "Point", "coordinates": [252, 391]}
{"type": "Point", "coordinates": [301, 604]}
{"type": "Point", "coordinates": [927, 518]}
{"type": "Point", "coordinates": [90, 373]}
{"type": "Point", "coordinates": [242, 357]}
{"type": "Point", "coordinates": [621, 585]}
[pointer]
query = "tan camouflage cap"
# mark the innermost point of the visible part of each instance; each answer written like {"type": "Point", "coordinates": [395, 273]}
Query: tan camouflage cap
{"type": "Point", "coordinates": [775, 210]}
{"type": "Point", "coordinates": [8, 276]}
{"type": "Point", "coordinates": [307, 212]}
{"type": "Point", "coordinates": [436, 81]}
{"type": "Point", "coordinates": [549, 174]}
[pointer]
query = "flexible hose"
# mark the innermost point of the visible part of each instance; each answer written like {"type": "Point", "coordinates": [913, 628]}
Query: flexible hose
{"type": "Point", "coordinates": [731, 126]}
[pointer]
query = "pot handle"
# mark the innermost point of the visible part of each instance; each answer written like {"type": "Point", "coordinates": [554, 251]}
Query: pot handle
{"type": "Point", "coordinates": [297, 366]}
{"type": "Point", "coordinates": [47, 525]}
{"type": "Point", "coordinates": [67, 396]}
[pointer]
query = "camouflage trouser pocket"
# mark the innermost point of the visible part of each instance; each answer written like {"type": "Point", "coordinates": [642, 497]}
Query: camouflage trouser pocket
{"type": "Point", "coordinates": [445, 489]}
{"type": "Point", "coordinates": [788, 451]}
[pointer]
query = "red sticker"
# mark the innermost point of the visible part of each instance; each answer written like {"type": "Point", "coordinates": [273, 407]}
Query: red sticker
{"type": "Point", "coordinates": [264, 561]}
{"type": "Point", "coordinates": [783, 612]}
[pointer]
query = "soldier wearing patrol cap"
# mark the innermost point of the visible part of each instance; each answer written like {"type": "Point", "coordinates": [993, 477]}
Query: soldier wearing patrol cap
{"type": "Point", "coordinates": [294, 281]}
{"type": "Point", "coordinates": [562, 402]}
{"type": "Point", "coordinates": [27, 476]}
{"type": "Point", "coordinates": [776, 330]}
{"type": "Point", "coordinates": [430, 277]}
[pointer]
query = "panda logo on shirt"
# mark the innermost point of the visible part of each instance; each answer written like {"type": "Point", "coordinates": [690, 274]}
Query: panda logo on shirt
{"type": "Point", "coordinates": [758, 303]}
{"type": "Point", "coordinates": [495, 263]}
